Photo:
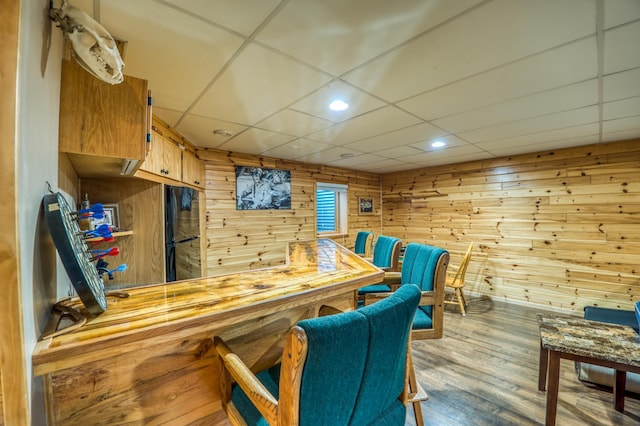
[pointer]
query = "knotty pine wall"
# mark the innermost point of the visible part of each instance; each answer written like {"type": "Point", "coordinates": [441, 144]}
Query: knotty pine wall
{"type": "Point", "coordinates": [239, 240]}
{"type": "Point", "coordinates": [556, 228]}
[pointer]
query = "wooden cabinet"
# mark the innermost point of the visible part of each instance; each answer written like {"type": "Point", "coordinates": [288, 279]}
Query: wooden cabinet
{"type": "Point", "coordinates": [167, 160]}
{"type": "Point", "coordinates": [192, 170]}
{"type": "Point", "coordinates": [100, 122]}
{"type": "Point", "coordinates": [164, 158]}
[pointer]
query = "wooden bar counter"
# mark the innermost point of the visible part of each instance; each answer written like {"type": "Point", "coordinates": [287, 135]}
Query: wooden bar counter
{"type": "Point", "coordinates": [146, 359]}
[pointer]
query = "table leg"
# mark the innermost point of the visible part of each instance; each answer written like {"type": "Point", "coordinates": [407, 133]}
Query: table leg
{"type": "Point", "coordinates": [542, 369]}
{"type": "Point", "coordinates": [618, 390]}
{"type": "Point", "coordinates": [552, 390]}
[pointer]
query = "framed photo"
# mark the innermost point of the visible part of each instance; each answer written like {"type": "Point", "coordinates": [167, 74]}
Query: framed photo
{"type": "Point", "coordinates": [258, 188]}
{"type": "Point", "coordinates": [111, 217]}
{"type": "Point", "coordinates": [365, 205]}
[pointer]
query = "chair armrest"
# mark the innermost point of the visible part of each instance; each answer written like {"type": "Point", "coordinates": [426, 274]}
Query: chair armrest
{"type": "Point", "coordinates": [392, 278]}
{"type": "Point", "coordinates": [370, 298]}
{"type": "Point", "coordinates": [428, 298]}
{"type": "Point", "coordinates": [266, 403]}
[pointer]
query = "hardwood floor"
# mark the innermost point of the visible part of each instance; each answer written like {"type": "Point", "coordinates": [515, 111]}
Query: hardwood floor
{"type": "Point", "coordinates": [484, 371]}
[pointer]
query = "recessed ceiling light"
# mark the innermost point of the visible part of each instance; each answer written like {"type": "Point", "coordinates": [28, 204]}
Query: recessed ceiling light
{"type": "Point", "coordinates": [338, 105]}
{"type": "Point", "coordinates": [438, 144]}
{"type": "Point", "coordinates": [346, 155]}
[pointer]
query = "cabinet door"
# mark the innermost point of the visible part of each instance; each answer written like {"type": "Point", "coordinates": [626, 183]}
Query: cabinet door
{"type": "Point", "coordinates": [154, 163]}
{"type": "Point", "coordinates": [101, 119]}
{"type": "Point", "coordinates": [172, 160]}
{"type": "Point", "coordinates": [164, 158]}
{"type": "Point", "coordinates": [192, 170]}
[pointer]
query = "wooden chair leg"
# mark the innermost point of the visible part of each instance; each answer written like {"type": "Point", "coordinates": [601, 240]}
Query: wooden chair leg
{"type": "Point", "coordinates": [460, 298]}
{"type": "Point", "coordinates": [416, 393]}
{"type": "Point", "coordinates": [464, 299]}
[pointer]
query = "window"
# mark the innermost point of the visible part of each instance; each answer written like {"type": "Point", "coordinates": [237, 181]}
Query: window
{"type": "Point", "coordinates": [331, 208]}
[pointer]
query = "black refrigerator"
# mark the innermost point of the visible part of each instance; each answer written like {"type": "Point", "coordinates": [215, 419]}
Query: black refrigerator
{"type": "Point", "coordinates": [182, 233]}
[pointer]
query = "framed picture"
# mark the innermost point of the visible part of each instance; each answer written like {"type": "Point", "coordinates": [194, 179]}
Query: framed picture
{"type": "Point", "coordinates": [365, 205]}
{"type": "Point", "coordinates": [111, 217]}
{"type": "Point", "coordinates": [258, 188]}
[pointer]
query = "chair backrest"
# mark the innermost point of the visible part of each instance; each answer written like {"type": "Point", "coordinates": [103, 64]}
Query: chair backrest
{"type": "Point", "coordinates": [426, 267]}
{"type": "Point", "coordinates": [386, 253]}
{"type": "Point", "coordinates": [355, 367]}
{"type": "Point", "coordinates": [458, 278]}
{"type": "Point", "coordinates": [363, 243]}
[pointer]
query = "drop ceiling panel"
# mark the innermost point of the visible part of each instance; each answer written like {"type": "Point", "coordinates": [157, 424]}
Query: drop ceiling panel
{"type": "Point", "coordinates": [554, 68]}
{"type": "Point", "coordinates": [257, 84]}
{"type": "Point", "coordinates": [436, 157]}
{"type": "Point", "coordinates": [399, 151]}
{"type": "Point", "coordinates": [450, 141]}
{"type": "Point", "coordinates": [622, 48]}
{"type": "Point", "coordinates": [620, 135]}
{"type": "Point", "coordinates": [359, 162]}
{"type": "Point", "coordinates": [200, 129]}
{"type": "Point", "coordinates": [326, 156]}
{"type": "Point", "coordinates": [376, 166]}
{"type": "Point", "coordinates": [620, 11]}
{"type": "Point", "coordinates": [293, 123]}
{"type": "Point", "coordinates": [534, 125]}
{"type": "Point", "coordinates": [243, 16]}
{"type": "Point", "coordinates": [621, 85]}
{"type": "Point", "coordinates": [495, 34]}
{"type": "Point", "coordinates": [168, 116]}
{"type": "Point", "coordinates": [621, 125]}
{"type": "Point", "coordinates": [621, 109]}
{"type": "Point", "coordinates": [165, 45]}
{"type": "Point", "coordinates": [521, 142]}
{"type": "Point", "coordinates": [317, 103]}
{"type": "Point", "coordinates": [418, 132]}
{"type": "Point", "coordinates": [297, 148]}
{"type": "Point", "coordinates": [374, 123]}
{"type": "Point", "coordinates": [338, 35]}
{"type": "Point", "coordinates": [390, 169]}
{"type": "Point", "coordinates": [255, 141]}
{"type": "Point", "coordinates": [556, 100]}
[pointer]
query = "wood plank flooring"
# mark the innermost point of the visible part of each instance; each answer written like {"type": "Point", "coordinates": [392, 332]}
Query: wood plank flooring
{"type": "Point", "coordinates": [484, 371]}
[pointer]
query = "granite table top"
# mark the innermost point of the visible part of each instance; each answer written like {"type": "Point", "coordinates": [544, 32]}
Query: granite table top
{"type": "Point", "coordinates": [598, 340]}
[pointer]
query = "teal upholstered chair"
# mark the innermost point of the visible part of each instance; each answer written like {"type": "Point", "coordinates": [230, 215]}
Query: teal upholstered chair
{"type": "Point", "coordinates": [385, 256]}
{"type": "Point", "coordinates": [344, 369]}
{"type": "Point", "coordinates": [426, 267]}
{"type": "Point", "coordinates": [363, 243]}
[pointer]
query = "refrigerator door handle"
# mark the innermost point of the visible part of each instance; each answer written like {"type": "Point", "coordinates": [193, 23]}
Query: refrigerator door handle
{"type": "Point", "coordinates": [171, 262]}
{"type": "Point", "coordinates": [185, 240]}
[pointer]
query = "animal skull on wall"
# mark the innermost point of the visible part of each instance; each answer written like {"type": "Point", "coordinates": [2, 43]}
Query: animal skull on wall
{"type": "Point", "coordinates": [93, 47]}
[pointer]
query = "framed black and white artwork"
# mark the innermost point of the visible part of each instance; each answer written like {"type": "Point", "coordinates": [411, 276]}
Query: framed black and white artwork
{"type": "Point", "coordinates": [259, 188]}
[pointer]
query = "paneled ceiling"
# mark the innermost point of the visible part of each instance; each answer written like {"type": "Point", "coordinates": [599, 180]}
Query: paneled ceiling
{"type": "Point", "coordinates": [488, 78]}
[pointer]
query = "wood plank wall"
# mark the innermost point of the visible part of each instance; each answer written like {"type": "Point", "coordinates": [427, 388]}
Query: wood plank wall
{"type": "Point", "coordinates": [239, 240]}
{"type": "Point", "coordinates": [555, 228]}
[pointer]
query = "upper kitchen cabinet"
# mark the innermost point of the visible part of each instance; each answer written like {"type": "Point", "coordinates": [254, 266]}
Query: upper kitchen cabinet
{"type": "Point", "coordinates": [171, 158]}
{"type": "Point", "coordinates": [103, 127]}
{"type": "Point", "coordinates": [164, 158]}
{"type": "Point", "coordinates": [192, 169]}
